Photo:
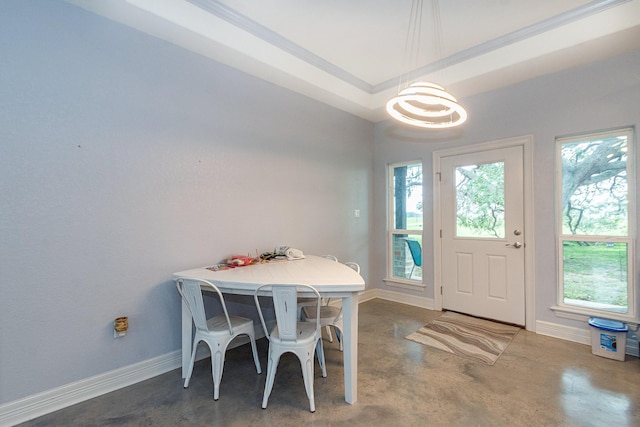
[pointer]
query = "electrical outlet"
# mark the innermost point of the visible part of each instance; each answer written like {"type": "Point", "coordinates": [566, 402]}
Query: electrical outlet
{"type": "Point", "coordinates": [356, 213]}
{"type": "Point", "coordinates": [120, 326]}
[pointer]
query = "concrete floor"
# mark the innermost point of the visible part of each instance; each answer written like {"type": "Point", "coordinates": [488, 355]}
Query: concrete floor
{"type": "Point", "coordinates": [538, 381]}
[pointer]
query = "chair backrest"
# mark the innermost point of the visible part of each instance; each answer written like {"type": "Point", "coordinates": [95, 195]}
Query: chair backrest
{"type": "Point", "coordinates": [285, 301]}
{"type": "Point", "coordinates": [331, 257]}
{"type": "Point", "coordinates": [416, 251]}
{"type": "Point", "coordinates": [353, 265]}
{"type": "Point", "coordinates": [191, 292]}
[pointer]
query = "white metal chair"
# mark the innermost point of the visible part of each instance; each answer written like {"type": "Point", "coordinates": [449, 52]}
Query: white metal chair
{"type": "Point", "coordinates": [217, 332]}
{"type": "Point", "coordinates": [291, 336]}
{"type": "Point", "coordinates": [311, 302]}
{"type": "Point", "coordinates": [330, 315]}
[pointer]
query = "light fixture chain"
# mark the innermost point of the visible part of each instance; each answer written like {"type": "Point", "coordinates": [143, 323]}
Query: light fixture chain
{"type": "Point", "coordinates": [437, 27]}
{"type": "Point", "coordinates": [419, 103]}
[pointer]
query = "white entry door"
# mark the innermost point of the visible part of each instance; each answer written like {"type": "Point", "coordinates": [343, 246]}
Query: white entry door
{"type": "Point", "coordinates": [483, 238]}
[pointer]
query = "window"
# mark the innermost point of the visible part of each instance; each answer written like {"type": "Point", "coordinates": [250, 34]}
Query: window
{"type": "Point", "coordinates": [595, 214]}
{"type": "Point", "coordinates": [405, 222]}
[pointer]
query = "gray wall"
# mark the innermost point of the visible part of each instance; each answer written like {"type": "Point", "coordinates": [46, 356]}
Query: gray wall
{"type": "Point", "coordinates": [599, 96]}
{"type": "Point", "coordinates": [125, 159]}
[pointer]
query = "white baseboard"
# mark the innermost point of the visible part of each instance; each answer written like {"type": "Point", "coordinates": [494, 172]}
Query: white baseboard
{"type": "Point", "coordinates": [367, 295]}
{"type": "Point", "coordinates": [39, 404]}
{"type": "Point", "coordinates": [399, 297]}
{"type": "Point", "coordinates": [567, 333]}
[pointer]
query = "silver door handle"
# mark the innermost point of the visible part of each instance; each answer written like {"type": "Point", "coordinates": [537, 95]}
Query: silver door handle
{"type": "Point", "coordinates": [516, 245]}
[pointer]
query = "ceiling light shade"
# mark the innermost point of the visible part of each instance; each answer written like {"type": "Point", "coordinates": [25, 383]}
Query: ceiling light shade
{"type": "Point", "coordinates": [426, 105]}
{"type": "Point", "coordinates": [423, 104]}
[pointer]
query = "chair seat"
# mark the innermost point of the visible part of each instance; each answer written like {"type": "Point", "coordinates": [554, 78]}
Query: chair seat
{"type": "Point", "coordinates": [219, 323]}
{"type": "Point", "coordinates": [328, 313]}
{"type": "Point", "coordinates": [329, 317]}
{"type": "Point", "coordinates": [304, 302]}
{"type": "Point", "coordinates": [306, 332]}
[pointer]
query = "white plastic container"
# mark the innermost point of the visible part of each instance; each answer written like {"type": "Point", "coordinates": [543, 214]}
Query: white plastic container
{"type": "Point", "coordinates": [608, 338]}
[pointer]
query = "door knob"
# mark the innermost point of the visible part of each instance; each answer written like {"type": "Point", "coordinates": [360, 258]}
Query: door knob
{"type": "Point", "coordinates": [516, 245]}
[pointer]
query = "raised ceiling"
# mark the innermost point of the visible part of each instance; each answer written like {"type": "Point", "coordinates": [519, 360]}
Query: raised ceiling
{"type": "Point", "coordinates": [349, 54]}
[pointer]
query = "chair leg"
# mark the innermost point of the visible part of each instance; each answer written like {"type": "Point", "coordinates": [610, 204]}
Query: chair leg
{"type": "Point", "coordinates": [217, 366]}
{"type": "Point", "coordinates": [321, 359]}
{"type": "Point", "coordinates": [255, 354]}
{"type": "Point", "coordinates": [272, 366]}
{"type": "Point", "coordinates": [339, 337]}
{"type": "Point", "coordinates": [191, 362]}
{"type": "Point", "coordinates": [307, 375]}
{"type": "Point", "coordinates": [329, 333]}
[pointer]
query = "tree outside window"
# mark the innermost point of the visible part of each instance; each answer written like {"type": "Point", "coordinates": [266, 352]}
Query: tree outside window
{"type": "Point", "coordinates": [480, 200]}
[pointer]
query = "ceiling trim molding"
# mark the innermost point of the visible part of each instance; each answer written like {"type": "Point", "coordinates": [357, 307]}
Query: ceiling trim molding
{"type": "Point", "coordinates": [247, 24]}
{"type": "Point", "coordinates": [541, 27]}
{"type": "Point", "coordinates": [237, 19]}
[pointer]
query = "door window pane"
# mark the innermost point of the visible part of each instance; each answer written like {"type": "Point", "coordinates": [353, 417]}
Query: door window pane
{"type": "Point", "coordinates": [480, 200]}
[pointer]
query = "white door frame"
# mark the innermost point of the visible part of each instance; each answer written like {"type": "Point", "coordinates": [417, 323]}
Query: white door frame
{"type": "Point", "coordinates": [529, 271]}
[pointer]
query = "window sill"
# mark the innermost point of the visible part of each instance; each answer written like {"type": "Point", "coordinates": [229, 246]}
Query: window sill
{"type": "Point", "coordinates": [583, 314]}
{"type": "Point", "coordinates": [405, 284]}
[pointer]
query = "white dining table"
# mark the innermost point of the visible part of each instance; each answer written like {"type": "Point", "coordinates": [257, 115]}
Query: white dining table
{"type": "Point", "coordinates": [331, 279]}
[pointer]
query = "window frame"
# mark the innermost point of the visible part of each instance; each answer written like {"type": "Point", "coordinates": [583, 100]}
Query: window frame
{"type": "Point", "coordinates": [392, 231]}
{"type": "Point", "coordinates": [572, 310]}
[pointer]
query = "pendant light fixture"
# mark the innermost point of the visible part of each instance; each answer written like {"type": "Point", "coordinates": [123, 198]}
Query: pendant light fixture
{"type": "Point", "coordinates": [423, 104]}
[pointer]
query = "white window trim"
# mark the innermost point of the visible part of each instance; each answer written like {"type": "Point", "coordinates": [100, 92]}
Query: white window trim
{"type": "Point", "coordinates": [583, 313]}
{"type": "Point", "coordinates": [415, 285]}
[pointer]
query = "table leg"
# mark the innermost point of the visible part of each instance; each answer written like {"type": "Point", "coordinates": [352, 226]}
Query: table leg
{"type": "Point", "coordinates": [350, 324]}
{"type": "Point", "coordinates": [186, 338]}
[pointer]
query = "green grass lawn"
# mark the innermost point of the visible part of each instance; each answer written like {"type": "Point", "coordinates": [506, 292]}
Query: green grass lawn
{"type": "Point", "coordinates": [414, 223]}
{"type": "Point", "coordinates": [596, 273]}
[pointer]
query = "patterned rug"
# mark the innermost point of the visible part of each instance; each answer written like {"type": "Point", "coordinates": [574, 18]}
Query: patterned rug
{"type": "Point", "coordinates": [466, 336]}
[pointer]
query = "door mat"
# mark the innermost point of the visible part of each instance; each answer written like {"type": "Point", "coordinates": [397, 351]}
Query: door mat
{"type": "Point", "coordinates": [466, 336]}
